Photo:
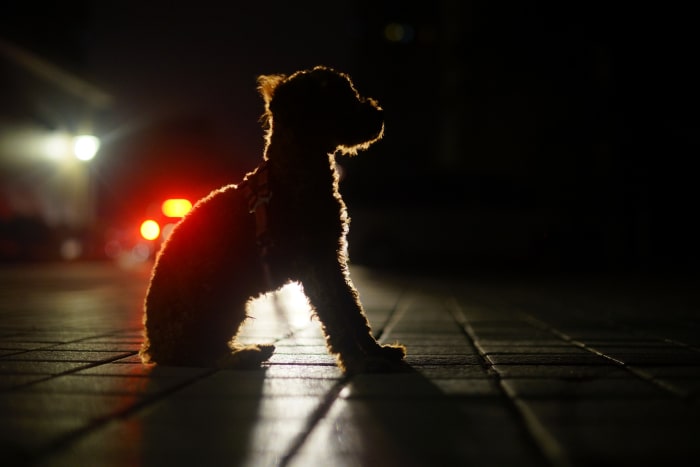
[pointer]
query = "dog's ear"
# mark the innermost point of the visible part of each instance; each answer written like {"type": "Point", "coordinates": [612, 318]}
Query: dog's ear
{"type": "Point", "coordinates": [267, 85]}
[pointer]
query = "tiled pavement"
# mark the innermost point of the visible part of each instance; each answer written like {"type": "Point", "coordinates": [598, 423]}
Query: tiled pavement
{"type": "Point", "coordinates": [503, 372]}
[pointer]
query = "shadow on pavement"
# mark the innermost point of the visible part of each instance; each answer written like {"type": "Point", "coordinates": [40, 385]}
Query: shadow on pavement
{"type": "Point", "coordinates": [209, 422]}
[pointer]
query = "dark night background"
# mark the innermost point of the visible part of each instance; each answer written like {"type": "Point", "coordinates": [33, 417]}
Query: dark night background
{"type": "Point", "coordinates": [519, 135]}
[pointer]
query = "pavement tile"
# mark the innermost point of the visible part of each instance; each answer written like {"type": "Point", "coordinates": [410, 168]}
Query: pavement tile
{"type": "Point", "coordinates": [12, 381]}
{"type": "Point", "coordinates": [308, 329]}
{"type": "Point", "coordinates": [468, 387]}
{"type": "Point", "coordinates": [624, 345]}
{"type": "Point", "coordinates": [682, 380]}
{"type": "Point", "coordinates": [672, 371]}
{"type": "Point", "coordinates": [647, 357]}
{"type": "Point", "coordinates": [486, 343]}
{"type": "Point", "coordinates": [534, 349]}
{"type": "Point", "coordinates": [24, 435]}
{"type": "Point", "coordinates": [394, 385]}
{"type": "Point", "coordinates": [434, 360]}
{"type": "Point", "coordinates": [344, 443]}
{"type": "Point", "coordinates": [189, 409]}
{"type": "Point", "coordinates": [633, 341]}
{"type": "Point", "coordinates": [546, 359]}
{"type": "Point", "coordinates": [425, 349]}
{"type": "Point", "coordinates": [329, 456]}
{"type": "Point", "coordinates": [101, 384]}
{"type": "Point", "coordinates": [48, 337]}
{"type": "Point", "coordinates": [118, 339]}
{"type": "Point", "coordinates": [689, 387]}
{"type": "Point", "coordinates": [529, 334]}
{"type": "Point", "coordinates": [622, 411]}
{"type": "Point", "coordinates": [451, 372]}
{"type": "Point", "coordinates": [504, 320]}
{"type": "Point", "coordinates": [297, 349]}
{"type": "Point", "coordinates": [22, 345]}
{"type": "Point", "coordinates": [431, 328]}
{"type": "Point", "coordinates": [301, 341]}
{"type": "Point", "coordinates": [639, 444]}
{"type": "Point", "coordinates": [132, 359]}
{"type": "Point", "coordinates": [138, 369]}
{"type": "Point", "coordinates": [594, 332]}
{"type": "Point", "coordinates": [675, 332]}
{"type": "Point", "coordinates": [84, 346]}
{"type": "Point", "coordinates": [43, 368]}
{"type": "Point", "coordinates": [567, 372]}
{"type": "Point", "coordinates": [137, 442]}
{"type": "Point", "coordinates": [417, 339]}
{"type": "Point", "coordinates": [243, 383]}
{"type": "Point", "coordinates": [602, 387]}
{"type": "Point", "coordinates": [60, 405]}
{"type": "Point", "coordinates": [9, 333]}
{"type": "Point", "coordinates": [302, 359]}
{"type": "Point", "coordinates": [506, 328]}
{"type": "Point", "coordinates": [51, 355]}
{"type": "Point", "coordinates": [301, 371]}
{"type": "Point", "coordinates": [379, 431]}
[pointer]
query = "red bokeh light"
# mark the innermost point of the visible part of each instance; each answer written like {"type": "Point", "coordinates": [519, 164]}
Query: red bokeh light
{"type": "Point", "coordinates": [150, 230]}
{"type": "Point", "coordinates": [176, 207]}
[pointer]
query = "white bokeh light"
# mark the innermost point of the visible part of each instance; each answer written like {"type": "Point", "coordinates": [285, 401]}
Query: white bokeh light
{"type": "Point", "coordinates": [85, 147]}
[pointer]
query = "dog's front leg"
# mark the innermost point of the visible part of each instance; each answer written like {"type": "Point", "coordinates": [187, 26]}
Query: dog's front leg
{"type": "Point", "coordinates": [348, 334]}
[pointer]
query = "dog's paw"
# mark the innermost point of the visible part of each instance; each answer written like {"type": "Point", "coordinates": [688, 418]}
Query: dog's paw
{"type": "Point", "coordinates": [394, 352]}
{"type": "Point", "coordinates": [382, 359]}
{"type": "Point", "coordinates": [246, 357]}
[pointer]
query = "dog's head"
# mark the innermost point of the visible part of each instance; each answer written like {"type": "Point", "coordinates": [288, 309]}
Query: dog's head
{"type": "Point", "coordinates": [321, 106]}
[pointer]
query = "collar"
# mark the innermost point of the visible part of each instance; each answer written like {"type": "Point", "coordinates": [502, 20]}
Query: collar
{"type": "Point", "coordinates": [256, 189]}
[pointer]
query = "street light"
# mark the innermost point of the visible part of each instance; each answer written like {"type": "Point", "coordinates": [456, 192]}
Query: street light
{"type": "Point", "coordinates": [85, 147]}
{"type": "Point", "coordinates": [60, 146]}
{"type": "Point", "coordinates": [80, 193]}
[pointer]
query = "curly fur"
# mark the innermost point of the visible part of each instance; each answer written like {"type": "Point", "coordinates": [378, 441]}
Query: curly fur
{"type": "Point", "coordinates": [210, 267]}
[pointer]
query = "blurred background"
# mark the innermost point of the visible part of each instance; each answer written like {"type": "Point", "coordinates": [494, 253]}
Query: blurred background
{"type": "Point", "coordinates": [538, 135]}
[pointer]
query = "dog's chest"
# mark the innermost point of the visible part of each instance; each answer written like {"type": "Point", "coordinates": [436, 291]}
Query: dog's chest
{"type": "Point", "coordinates": [289, 215]}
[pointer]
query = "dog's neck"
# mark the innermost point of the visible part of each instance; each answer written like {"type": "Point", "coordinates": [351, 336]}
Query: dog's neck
{"type": "Point", "coordinates": [292, 158]}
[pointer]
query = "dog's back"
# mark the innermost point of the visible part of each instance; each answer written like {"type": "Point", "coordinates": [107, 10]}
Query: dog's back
{"type": "Point", "coordinates": [188, 282]}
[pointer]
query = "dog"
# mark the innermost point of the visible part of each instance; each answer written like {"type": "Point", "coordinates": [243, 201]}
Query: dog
{"type": "Point", "coordinates": [286, 222]}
